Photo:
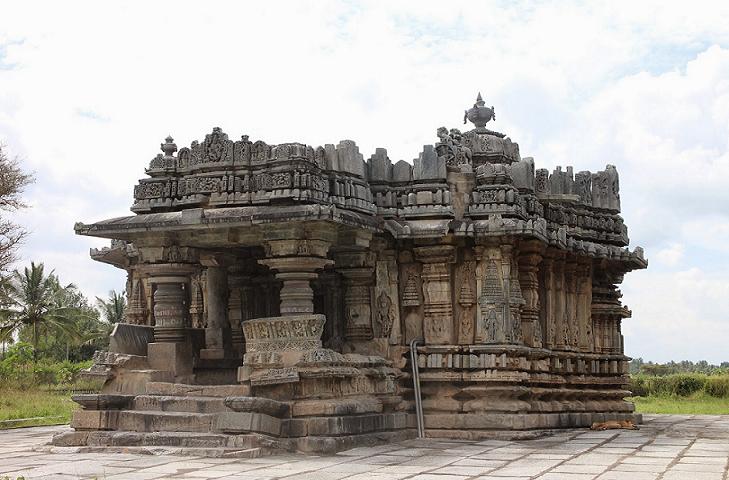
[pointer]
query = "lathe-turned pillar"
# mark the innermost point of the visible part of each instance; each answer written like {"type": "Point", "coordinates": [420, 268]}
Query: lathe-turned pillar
{"type": "Point", "coordinates": [296, 253]}
{"type": "Point", "coordinates": [172, 348]}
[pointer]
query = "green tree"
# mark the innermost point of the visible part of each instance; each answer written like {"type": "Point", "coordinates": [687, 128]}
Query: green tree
{"type": "Point", "coordinates": [39, 303]}
{"type": "Point", "coordinates": [112, 310]}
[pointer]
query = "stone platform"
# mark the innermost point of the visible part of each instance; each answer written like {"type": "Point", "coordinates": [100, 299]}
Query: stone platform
{"type": "Point", "coordinates": [667, 447]}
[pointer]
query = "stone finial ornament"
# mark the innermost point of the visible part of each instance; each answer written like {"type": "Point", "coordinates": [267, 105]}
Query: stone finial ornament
{"type": "Point", "coordinates": [479, 114]}
{"type": "Point", "coordinates": [169, 147]}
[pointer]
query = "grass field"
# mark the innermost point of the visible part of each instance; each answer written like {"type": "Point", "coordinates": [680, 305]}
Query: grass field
{"type": "Point", "coordinates": [15, 404]}
{"type": "Point", "coordinates": [697, 404]}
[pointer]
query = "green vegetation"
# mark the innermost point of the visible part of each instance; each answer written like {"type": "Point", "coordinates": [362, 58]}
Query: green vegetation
{"type": "Point", "coordinates": [48, 333]}
{"type": "Point", "coordinates": [38, 390]}
{"type": "Point", "coordinates": [43, 407]}
{"type": "Point", "coordinates": [56, 319]}
{"type": "Point", "coordinates": [682, 393]}
{"type": "Point", "coordinates": [695, 404]}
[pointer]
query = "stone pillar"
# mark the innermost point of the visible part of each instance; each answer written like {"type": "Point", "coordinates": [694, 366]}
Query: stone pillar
{"type": "Point", "coordinates": [358, 303]}
{"type": "Point", "coordinates": [356, 264]}
{"type": "Point", "coordinates": [235, 309]}
{"type": "Point", "coordinates": [331, 288]}
{"type": "Point", "coordinates": [550, 327]}
{"type": "Point", "coordinates": [297, 253]}
{"type": "Point", "coordinates": [217, 331]}
{"type": "Point", "coordinates": [170, 310]}
{"type": "Point", "coordinates": [584, 305]}
{"type": "Point", "coordinates": [558, 291]}
{"type": "Point", "coordinates": [296, 274]}
{"type": "Point", "coordinates": [570, 316]}
{"type": "Point", "coordinates": [437, 299]}
{"type": "Point", "coordinates": [606, 309]}
{"type": "Point", "coordinates": [171, 350]}
{"type": "Point", "coordinates": [530, 257]}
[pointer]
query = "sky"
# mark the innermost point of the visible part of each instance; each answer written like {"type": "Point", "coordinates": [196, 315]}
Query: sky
{"type": "Point", "coordinates": [88, 91]}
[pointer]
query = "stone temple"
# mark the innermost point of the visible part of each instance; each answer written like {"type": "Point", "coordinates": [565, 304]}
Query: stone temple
{"type": "Point", "coordinates": [291, 297]}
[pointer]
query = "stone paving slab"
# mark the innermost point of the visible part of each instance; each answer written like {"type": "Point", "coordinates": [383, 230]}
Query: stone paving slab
{"type": "Point", "coordinates": [668, 447]}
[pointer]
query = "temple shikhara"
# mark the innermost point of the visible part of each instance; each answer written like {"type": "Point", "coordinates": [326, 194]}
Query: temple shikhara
{"type": "Point", "coordinates": [299, 298]}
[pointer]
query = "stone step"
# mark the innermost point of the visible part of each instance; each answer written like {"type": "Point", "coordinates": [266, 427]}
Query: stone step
{"type": "Point", "coordinates": [177, 439]}
{"type": "Point", "coordinates": [157, 421]}
{"type": "Point", "coordinates": [184, 390]}
{"type": "Point", "coordinates": [209, 444]}
{"type": "Point", "coordinates": [184, 451]}
{"type": "Point", "coordinates": [172, 403]}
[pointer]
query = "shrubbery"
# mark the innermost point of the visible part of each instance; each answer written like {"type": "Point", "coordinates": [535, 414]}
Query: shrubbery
{"type": "Point", "coordinates": [680, 385]}
{"type": "Point", "coordinates": [717, 386]}
{"type": "Point", "coordinates": [17, 369]}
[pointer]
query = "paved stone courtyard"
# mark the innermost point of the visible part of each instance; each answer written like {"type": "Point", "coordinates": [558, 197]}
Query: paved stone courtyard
{"type": "Point", "coordinates": [667, 447]}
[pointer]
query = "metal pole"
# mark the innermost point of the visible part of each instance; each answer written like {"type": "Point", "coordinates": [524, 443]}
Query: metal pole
{"type": "Point", "coordinates": [416, 387]}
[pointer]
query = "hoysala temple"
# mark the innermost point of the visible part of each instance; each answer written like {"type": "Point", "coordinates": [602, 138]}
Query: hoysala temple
{"type": "Point", "coordinates": [298, 298]}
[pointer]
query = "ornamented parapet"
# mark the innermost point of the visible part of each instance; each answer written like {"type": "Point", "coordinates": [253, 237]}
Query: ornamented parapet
{"type": "Point", "coordinates": [294, 332]}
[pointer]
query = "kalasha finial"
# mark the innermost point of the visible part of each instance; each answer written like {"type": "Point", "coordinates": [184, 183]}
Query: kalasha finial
{"type": "Point", "coordinates": [169, 147]}
{"type": "Point", "coordinates": [479, 114]}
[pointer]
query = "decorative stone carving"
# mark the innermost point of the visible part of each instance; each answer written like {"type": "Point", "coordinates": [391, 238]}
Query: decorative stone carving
{"type": "Point", "coordinates": [385, 316]}
{"type": "Point", "coordinates": [437, 307]}
{"type": "Point", "coordinates": [136, 311]}
{"type": "Point", "coordinates": [529, 260]}
{"type": "Point", "coordinates": [197, 307]}
{"type": "Point", "coordinates": [357, 306]}
{"type": "Point", "coordinates": [466, 300]}
{"type": "Point", "coordinates": [410, 297]}
{"type": "Point", "coordinates": [293, 332]}
{"type": "Point", "coordinates": [170, 314]}
{"type": "Point", "coordinates": [451, 149]}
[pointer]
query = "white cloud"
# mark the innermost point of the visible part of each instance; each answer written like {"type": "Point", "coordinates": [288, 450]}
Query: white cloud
{"type": "Point", "coordinates": [95, 86]}
{"type": "Point", "coordinates": [671, 255]}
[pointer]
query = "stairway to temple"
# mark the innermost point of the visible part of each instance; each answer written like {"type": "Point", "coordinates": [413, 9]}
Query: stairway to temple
{"type": "Point", "coordinates": [209, 420]}
{"type": "Point", "coordinates": [176, 419]}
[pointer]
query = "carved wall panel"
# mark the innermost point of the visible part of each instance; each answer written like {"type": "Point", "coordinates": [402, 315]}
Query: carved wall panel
{"type": "Point", "coordinates": [387, 307]}
{"type": "Point", "coordinates": [437, 307]}
{"type": "Point", "coordinates": [466, 299]}
{"type": "Point", "coordinates": [411, 306]}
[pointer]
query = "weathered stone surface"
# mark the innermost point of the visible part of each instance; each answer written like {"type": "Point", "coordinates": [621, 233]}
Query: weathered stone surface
{"type": "Point", "coordinates": [350, 160]}
{"type": "Point", "coordinates": [304, 273]}
{"type": "Point", "coordinates": [95, 419]}
{"type": "Point", "coordinates": [258, 405]}
{"type": "Point", "coordinates": [379, 166]}
{"type": "Point", "coordinates": [130, 339]}
{"type": "Point", "coordinates": [402, 171]}
{"type": "Point", "coordinates": [245, 422]}
{"type": "Point", "coordinates": [428, 166]}
{"type": "Point", "coordinates": [95, 401]}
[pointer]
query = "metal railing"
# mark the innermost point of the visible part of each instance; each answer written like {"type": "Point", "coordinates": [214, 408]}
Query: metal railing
{"type": "Point", "coordinates": [416, 387]}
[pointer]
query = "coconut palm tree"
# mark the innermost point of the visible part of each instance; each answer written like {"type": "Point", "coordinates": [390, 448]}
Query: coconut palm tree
{"type": "Point", "coordinates": [112, 310]}
{"type": "Point", "coordinates": [39, 302]}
